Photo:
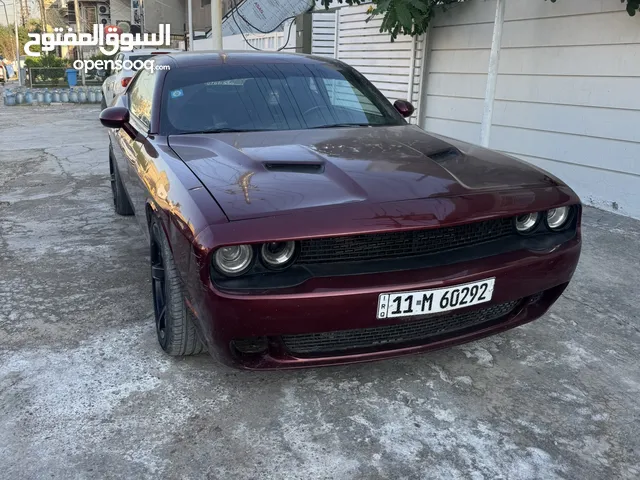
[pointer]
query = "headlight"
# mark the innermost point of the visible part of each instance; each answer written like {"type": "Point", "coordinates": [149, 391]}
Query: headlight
{"type": "Point", "coordinates": [557, 217]}
{"type": "Point", "coordinates": [527, 222]}
{"type": "Point", "coordinates": [278, 254]}
{"type": "Point", "coordinates": [234, 260]}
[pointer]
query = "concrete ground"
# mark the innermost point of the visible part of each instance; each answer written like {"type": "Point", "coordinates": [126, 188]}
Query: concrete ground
{"type": "Point", "coordinates": [85, 391]}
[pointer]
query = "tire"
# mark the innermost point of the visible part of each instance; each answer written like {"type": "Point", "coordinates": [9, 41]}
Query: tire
{"type": "Point", "coordinates": [103, 104]}
{"type": "Point", "coordinates": [121, 202]}
{"type": "Point", "coordinates": [175, 324]}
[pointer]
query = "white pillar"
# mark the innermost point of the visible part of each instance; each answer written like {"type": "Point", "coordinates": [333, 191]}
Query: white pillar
{"type": "Point", "coordinates": [190, 24]}
{"type": "Point", "coordinates": [492, 78]}
{"type": "Point", "coordinates": [216, 24]}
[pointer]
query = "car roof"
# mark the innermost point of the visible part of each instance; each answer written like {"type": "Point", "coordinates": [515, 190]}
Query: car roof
{"type": "Point", "coordinates": [199, 58]}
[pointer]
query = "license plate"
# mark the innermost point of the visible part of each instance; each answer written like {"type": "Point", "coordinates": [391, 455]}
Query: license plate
{"type": "Point", "coordinates": [423, 302]}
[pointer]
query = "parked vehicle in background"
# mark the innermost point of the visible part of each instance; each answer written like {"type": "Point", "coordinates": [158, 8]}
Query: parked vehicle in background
{"type": "Point", "coordinates": [117, 82]}
{"type": "Point", "coordinates": [296, 218]}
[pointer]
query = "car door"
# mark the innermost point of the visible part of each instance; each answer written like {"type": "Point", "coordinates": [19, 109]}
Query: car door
{"type": "Point", "coordinates": [142, 174]}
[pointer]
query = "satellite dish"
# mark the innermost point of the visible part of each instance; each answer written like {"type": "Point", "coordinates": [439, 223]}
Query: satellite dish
{"type": "Point", "coordinates": [124, 26]}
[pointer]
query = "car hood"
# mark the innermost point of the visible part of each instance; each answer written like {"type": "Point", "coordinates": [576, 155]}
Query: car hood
{"type": "Point", "coordinates": [256, 174]}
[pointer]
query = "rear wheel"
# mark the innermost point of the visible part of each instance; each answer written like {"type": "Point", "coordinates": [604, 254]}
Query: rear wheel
{"type": "Point", "coordinates": [175, 324]}
{"type": "Point", "coordinates": [120, 200]}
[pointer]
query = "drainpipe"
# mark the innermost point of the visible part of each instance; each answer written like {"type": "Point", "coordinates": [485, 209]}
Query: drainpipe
{"type": "Point", "coordinates": [492, 78]}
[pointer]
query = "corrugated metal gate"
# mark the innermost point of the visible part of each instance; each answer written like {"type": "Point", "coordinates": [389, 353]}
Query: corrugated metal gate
{"type": "Point", "coordinates": [566, 96]}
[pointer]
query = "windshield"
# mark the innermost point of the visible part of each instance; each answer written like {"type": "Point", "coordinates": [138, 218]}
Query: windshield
{"type": "Point", "coordinates": [135, 58]}
{"type": "Point", "coordinates": [277, 96]}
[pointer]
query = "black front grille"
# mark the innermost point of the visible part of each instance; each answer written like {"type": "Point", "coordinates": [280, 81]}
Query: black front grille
{"type": "Point", "coordinates": [402, 244]}
{"type": "Point", "coordinates": [414, 331]}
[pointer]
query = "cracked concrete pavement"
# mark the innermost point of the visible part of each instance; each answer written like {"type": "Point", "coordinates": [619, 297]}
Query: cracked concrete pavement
{"type": "Point", "coordinates": [85, 391]}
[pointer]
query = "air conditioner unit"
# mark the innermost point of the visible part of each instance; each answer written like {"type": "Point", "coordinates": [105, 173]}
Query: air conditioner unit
{"type": "Point", "coordinates": [104, 14]}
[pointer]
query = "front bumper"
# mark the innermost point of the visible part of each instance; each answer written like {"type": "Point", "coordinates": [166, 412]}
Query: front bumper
{"type": "Point", "coordinates": [533, 280]}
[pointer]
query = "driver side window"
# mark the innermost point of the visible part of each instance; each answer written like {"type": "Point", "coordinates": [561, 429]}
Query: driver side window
{"type": "Point", "coordinates": [119, 60]}
{"type": "Point", "coordinates": [141, 96]}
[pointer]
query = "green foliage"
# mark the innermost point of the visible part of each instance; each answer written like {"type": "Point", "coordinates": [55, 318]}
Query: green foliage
{"type": "Point", "coordinates": [633, 6]}
{"type": "Point", "coordinates": [49, 60]}
{"type": "Point", "coordinates": [412, 17]}
{"type": "Point", "coordinates": [402, 17]}
{"type": "Point", "coordinates": [46, 70]}
{"type": "Point", "coordinates": [8, 41]}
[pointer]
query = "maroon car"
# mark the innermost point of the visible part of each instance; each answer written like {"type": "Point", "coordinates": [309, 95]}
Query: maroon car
{"type": "Point", "coordinates": [296, 219]}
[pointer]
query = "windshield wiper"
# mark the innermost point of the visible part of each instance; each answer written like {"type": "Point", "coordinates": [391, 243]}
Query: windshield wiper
{"type": "Point", "coordinates": [223, 130]}
{"type": "Point", "coordinates": [336, 125]}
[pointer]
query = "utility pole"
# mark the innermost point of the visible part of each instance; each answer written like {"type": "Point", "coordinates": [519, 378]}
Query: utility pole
{"type": "Point", "coordinates": [303, 33]}
{"type": "Point", "coordinates": [44, 16]}
{"type": "Point", "coordinates": [24, 12]}
{"type": "Point", "coordinates": [15, 26]}
{"type": "Point", "coordinates": [216, 23]}
{"type": "Point", "coordinates": [76, 7]}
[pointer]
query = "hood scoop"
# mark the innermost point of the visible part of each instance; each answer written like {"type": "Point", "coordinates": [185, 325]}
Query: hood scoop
{"type": "Point", "coordinates": [295, 167]}
{"type": "Point", "coordinates": [444, 155]}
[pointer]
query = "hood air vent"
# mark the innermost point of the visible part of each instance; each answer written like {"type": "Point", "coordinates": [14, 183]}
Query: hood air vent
{"type": "Point", "coordinates": [291, 167]}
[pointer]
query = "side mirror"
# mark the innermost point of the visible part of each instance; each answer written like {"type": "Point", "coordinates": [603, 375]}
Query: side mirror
{"type": "Point", "coordinates": [405, 108]}
{"type": "Point", "coordinates": [114, 117]}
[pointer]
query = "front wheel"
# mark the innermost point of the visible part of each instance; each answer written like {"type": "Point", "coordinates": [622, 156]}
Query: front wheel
{"type": "Point", "coordinates": [175, 324]}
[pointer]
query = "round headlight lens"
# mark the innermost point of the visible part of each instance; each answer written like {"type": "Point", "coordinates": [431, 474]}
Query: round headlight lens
{"type": "Point", "coordinates": [278, 254]}
{"type": "Point", "coordinates": [526, 223]}
{"type": "Point", "coordinates": [557, 217]}
{"type": "Point", "coordinates": [234, 260]}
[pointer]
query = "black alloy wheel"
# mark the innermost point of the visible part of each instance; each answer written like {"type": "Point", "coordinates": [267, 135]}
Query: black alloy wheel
{"type": "Point", "coordinates": [158, 286]}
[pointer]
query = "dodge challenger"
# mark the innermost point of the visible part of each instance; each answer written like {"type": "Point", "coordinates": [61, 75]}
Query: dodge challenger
{"type": "Point", "coordinates": [295, 217]}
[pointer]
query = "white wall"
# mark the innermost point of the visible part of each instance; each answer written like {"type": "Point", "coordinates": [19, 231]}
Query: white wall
{"type": "Point", "coordinates": [567, 94]}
